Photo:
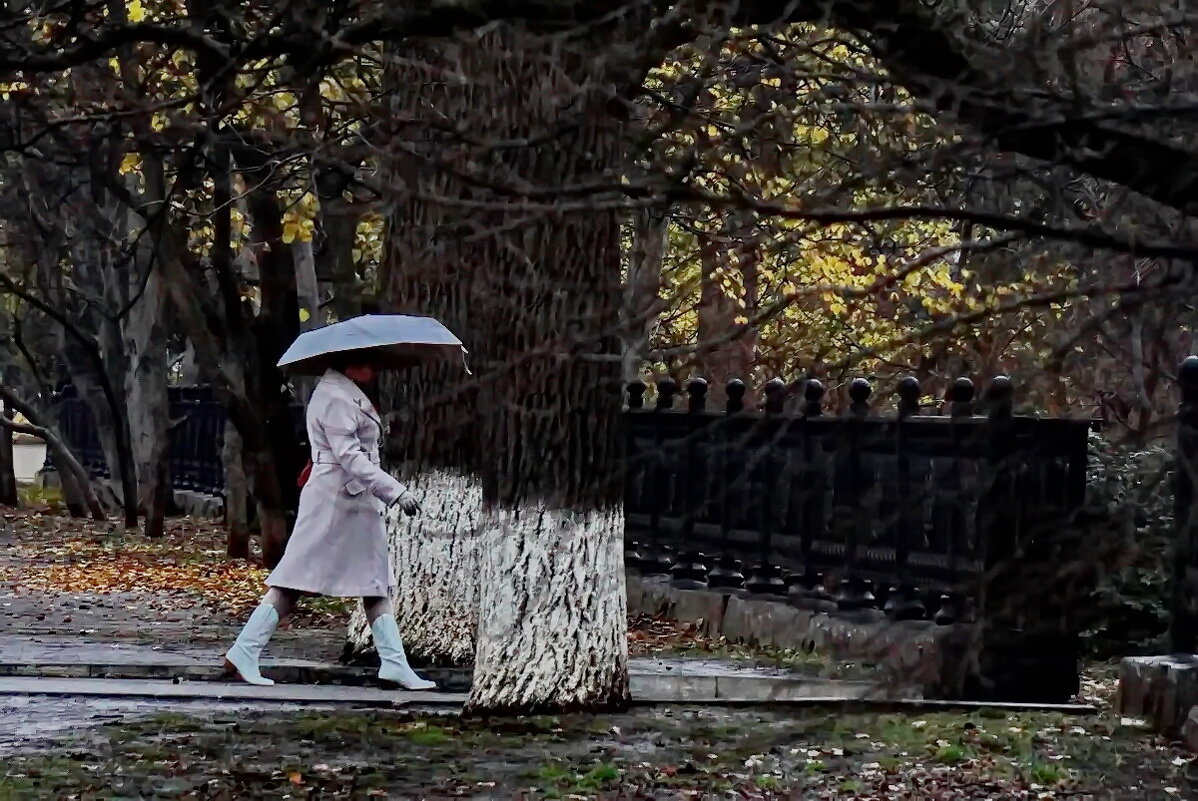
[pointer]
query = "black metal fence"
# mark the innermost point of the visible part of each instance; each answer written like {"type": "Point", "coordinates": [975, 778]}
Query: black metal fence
{"type": "Point", "coordinates": [904, 513]}
{"type": "Point", "coordinates": [900, 512]}
{"type": "Point", "coordinates": [198, 424]}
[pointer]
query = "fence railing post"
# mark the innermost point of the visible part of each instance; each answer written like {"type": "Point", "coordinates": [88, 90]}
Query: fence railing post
{"type": "Point", "coordinates": [952, 517]}
{"type": "Point", "coordinates": [767, 576]}
{"type": "Point", "coordinates": [636, 402]}
{"type": "Point", "coordinates": [998, 521]}
{"type": "Point", "coordinates": [815, 490]}
{"type": "Point", "coordinates": [903, 602]}
{"type": "Point", "coordinates": [690, 569]}
{"type": "Point", "coordinates": [1183, 623]}
{"type": "Point", "coordinates": [659, 559]}
{"type": "Point", "coordinates": [728, 570]}
{"type": "Point", "coordinates": [852, 488]}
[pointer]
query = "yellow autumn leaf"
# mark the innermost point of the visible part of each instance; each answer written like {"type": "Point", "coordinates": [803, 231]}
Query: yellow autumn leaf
{"type": "Point", "coordinates": [137, 12]}
{"type": "Point", "coordinates": [291, 231]}
{"type": "Point", "coordinates": [129, 163]}
{"type": "Point", "coordinates": [305, 315]}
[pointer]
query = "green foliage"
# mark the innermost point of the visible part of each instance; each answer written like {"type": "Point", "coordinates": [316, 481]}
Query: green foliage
{"type": "Point", "coordinates": [34, 497]}
{"type": "Point", "coordinates": [1133, 487]}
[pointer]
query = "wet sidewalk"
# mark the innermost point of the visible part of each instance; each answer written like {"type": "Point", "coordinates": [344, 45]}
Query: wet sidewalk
{"type": "Point", "coordinates": [665, 680]}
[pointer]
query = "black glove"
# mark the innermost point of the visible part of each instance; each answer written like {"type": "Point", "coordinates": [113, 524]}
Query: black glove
{"type": "Point", "coordinates": [408, 503]}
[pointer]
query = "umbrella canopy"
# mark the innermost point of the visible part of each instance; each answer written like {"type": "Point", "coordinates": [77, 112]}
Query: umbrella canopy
{"type": "Point", "coordinates": [387, 341]}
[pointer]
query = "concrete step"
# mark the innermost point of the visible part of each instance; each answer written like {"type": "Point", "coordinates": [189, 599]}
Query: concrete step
{"type": "Point", "coordinates": [226, 691]}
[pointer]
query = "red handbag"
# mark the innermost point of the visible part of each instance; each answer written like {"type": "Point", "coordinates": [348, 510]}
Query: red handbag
{"type": "Point", "coordinates": [304, 475]}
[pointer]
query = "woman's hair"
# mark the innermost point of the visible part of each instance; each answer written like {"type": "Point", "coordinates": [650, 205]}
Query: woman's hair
{"type": "Point", "coordinates": [346, 359]}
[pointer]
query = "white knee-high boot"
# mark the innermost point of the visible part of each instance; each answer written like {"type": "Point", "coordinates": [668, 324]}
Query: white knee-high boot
{"type": "Point", "coordinates": [243, 656]}
{"type": "Point", "coordinates": [394, 667]}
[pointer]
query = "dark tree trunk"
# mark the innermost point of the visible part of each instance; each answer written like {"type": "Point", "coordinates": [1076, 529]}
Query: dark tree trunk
{"type": "Point", "coordinates": [275, 328]}
{"type": "Point", "coordinates": [435, 436]}
{"type": "Point", "coordinates": [237, 520]}
{"type": "Point", "coordinates": [552, 630]}
{"type": "Point", "coordinates": [9, 494]}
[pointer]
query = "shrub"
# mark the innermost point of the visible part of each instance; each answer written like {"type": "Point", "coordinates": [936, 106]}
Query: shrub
{"type": "Point", "coordinates": [1132, 489]}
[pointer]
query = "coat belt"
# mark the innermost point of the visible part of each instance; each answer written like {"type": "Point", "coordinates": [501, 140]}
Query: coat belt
{"type": "Point", "coordinates": [327, 457]}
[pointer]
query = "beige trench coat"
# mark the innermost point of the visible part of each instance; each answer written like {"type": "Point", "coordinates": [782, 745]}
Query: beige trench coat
{"type": "Point", "coordinates": [339, 545]}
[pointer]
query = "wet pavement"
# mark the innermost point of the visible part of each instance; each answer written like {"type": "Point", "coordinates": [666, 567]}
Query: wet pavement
{"type": "Point", "coordinates": [33, 719]}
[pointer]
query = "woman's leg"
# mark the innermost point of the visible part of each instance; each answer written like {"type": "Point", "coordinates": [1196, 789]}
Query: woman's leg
{"type": "Point", "coordinates": [376, 607]}
{"type": "Point", "coordinates": [388, 642]}
{"type": "Point", "coordinates": [242, 658]}
{"type": "Point", "coordinates": [283, 600]}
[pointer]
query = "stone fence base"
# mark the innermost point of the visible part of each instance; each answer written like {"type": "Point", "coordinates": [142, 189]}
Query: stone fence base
{"type": "Point", "coordinates": [943, 662]}
{"type": "Point", "coordinates": [1162, 691]}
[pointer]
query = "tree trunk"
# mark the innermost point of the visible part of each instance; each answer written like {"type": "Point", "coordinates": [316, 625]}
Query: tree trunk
{"type": "Point", "coordinates": [552, 625]}
{"type": "Point", "coordinates": [642, 288]}
{"type": "Point", "coordinates": [145, 338]}
{"type": "Point", "coordinates": [308, 296]}
{"type": "Point", "coordinates": [275, 328]}
{"type": "Point", "coordinates": [75, 480]}
{"type": "Point", "coordinates": [236, 495]}
{"type": "Point", "coordinates": [426, 272]}
{"type": "Point", "coordinates": [335, 262]}
{"type": "Point", "coordinates": [727, 348]}
{"type": "Point", "coordinates": [98, 269]}
{"type": "Point", "coordinates": [434, 558]}
{"type": "Point", "coordinates": [9, 493]}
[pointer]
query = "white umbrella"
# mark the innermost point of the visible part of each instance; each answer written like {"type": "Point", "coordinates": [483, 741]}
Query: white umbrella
{"type": "Point", "coordinates": [383, 340]}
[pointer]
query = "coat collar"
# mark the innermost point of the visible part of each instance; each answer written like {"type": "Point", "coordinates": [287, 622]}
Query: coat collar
{"type": "Point", "coordinates": [345, 385]}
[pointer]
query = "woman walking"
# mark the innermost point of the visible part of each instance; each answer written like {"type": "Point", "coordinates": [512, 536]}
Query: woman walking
{"type": "Point", "coordinates": [339, 545]}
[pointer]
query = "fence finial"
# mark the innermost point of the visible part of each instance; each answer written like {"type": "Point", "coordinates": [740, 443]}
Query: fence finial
{"type": "Point", "coordinates": [667, 389]}
{"type": "Point", "coordinates": [1187, 378]}
{"type": "Point", "coordinates": [775, 396]}
{"type": "Point", "coordinates": [1000, 397]}
{"type": "Point", "coordinates": [736, 396]}
{"type": "Point", "coordinates": [696, 388]}
{"type": "Point", "coordinates": [813, 395]}
{"type": "Point", "coordinates": [859, 392]}
{"type": "Point", "coordinates": [636, 395]}
{"type": "Point", "coordinates": [960, 396]}
{"type": "Point", "coordinates": [909, 393]}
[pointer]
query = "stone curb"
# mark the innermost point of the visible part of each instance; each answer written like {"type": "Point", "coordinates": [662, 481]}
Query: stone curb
{"type": "Point", "coordinates": [671, 690]}
{"type": "Point", "coordinates": [646, 688]}
{"type": "Point", "coordinates": [453, 680]}
{"type": "Point", "coordinates": [306, 684]}
{"type": "Point", "coordinates": [224, 691]}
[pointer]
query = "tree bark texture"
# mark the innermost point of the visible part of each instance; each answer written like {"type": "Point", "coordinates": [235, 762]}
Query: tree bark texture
{"type": "Point", "coordinates": [275, 328]}
{"type": "Point", "coordinates": [551, 614]}
{"type": "Point", "coordinates": [430, 268]}
{"type": "Point", "coordinates": [237, 522]}
{"type": "Point", "coordinates": [726, 347]}
{"type": "Point", "coordinates": [9, 494]}
{"type": "Point", "coordinates": [642, 288]}
{"type": "Point", "coordinates": [145, 337]}
{"type": "Point", "coordinates": [435, 561]}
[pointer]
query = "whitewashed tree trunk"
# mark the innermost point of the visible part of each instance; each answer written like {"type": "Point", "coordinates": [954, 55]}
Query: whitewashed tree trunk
{"type": "Point", "coordinates": [537, 298]}
{"type": "Point", "coordinates": [552, 612]}
{"type": "Point", "coordinates": [434, 558]}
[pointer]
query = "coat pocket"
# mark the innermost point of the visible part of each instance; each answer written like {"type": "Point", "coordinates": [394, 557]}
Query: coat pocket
{"type": "Point", "coordinates": [353, 488]}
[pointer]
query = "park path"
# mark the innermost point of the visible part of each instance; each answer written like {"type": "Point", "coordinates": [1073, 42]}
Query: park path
{"type": "Point", "coordinates": [98, 625]}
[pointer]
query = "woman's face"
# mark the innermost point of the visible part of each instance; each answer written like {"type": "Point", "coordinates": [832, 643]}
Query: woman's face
{"type": "Point", "coordinates": [360, 373]}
